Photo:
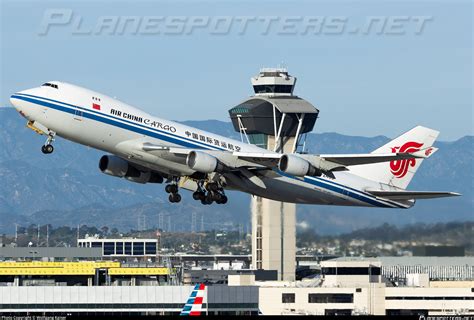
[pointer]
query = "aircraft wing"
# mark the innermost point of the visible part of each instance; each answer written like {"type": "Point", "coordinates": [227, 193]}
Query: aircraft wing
{"type": "Point", "coordinates": [409, 195]}
{"type": "Point", "coordinates": [325, 162]}
{"type": "Point", "coordinates": [337, 160]}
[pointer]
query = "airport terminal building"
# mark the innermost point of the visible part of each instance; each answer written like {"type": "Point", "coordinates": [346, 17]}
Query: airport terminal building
{"type": "Point", "coordinates": [345, 286]}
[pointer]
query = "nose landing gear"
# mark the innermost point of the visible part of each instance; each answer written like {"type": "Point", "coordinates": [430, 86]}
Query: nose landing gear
{"type": "Point", "coordinates": [48, 148]}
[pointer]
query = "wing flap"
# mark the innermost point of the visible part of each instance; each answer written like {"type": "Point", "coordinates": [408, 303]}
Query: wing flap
{"type": "Point", "coordinates": [408, 195]}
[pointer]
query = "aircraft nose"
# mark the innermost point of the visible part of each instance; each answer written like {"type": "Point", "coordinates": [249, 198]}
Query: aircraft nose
{"type": "Point", "coordinates": [18, 103]}
{"type": "Point", "coordinates": [15, 99]}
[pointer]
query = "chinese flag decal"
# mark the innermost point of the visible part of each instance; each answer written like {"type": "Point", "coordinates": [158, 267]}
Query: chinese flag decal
{"type": "Point", "coordinates": [96, 106]}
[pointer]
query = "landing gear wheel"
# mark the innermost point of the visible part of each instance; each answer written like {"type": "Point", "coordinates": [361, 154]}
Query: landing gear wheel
{"type": "Point", "coordinates": [216, 197]}
{"type": "Point", "coordinates": [198, 195]}
{"type": "Point", "coordinates": [46, 149]}
{"type": "Point", "coordinates": [223, 199]}
{"type": "Point", "coordinates": [208, 202]}
{"type": "Point", "coordinates": [174, 197]}
{"type": "Point", "coordinates": [209, 198]}
{"type": "Point", "coordinates": [49, 148]}
{"type": "Point", "coordinates": [212, 186]}
{"type": "Point", "coordinates": [171, 188]}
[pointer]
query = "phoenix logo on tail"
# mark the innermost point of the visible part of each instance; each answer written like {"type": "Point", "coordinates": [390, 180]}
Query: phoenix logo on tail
{"type": "Point", "coordinates": [399, 168]}
{"type": "Point", "coordinates": [193, 306]}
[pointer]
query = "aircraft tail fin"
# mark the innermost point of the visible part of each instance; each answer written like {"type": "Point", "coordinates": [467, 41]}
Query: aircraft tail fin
{"type": "Point", "coordinates": [399, 173]}
{"type": "Point", "coordinates": [193, 306]}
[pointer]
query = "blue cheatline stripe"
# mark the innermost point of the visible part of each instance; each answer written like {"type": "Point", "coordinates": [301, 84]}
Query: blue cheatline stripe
{"type": "Point", "coordinates": [149, 132]}
{"type": "Point", "coordinates": [124, 120]}
{"type": "Point", "coordinates": [370, 199]}
{"type": "Point", "coordinates": [113, 121]}
{"type": "Point", "coordinates": [361, 193]}
{"type": "Point", "coordinates": [55, 105]}
{"type": "Point", "coordinates": [193, 294]}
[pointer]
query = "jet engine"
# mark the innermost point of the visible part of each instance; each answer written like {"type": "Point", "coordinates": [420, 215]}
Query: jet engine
{"type": "Point", "coordinates": [297, 166]}
{"type": "Point", "coordinates": [203, 162]}
{"type": "Point", "coordinates": [118, 167]}
{"type": "Point", "coordinates": [146, 177]}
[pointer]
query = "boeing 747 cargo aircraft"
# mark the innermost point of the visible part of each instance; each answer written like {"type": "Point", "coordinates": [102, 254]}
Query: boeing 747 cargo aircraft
{"type": "Point", "coordinates": [145, 149]}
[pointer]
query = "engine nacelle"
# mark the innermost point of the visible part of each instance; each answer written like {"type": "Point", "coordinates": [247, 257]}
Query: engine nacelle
{"type": "Point", "coordinates": [146, 177]}
{"type": "Point", "coordinates": [202, 162]}
{"type": "Point", "coordinates": [297, 166]}
{"type": "Point", "coordinates": [117, 167]}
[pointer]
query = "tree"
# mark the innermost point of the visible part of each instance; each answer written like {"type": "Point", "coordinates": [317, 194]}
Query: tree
{"type": "Point", "coordinates": [104, 230]}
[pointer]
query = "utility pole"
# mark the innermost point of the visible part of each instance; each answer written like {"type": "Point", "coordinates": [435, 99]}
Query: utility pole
{"type": "Point", "coordinates": [202, 223]}
{"type": "Point", "coordinates": [193, 222]}
{"type": "Point", "coordinates": [16, 233]}
{"type": "Point", "coordinates": [241, 230]}
{"type": "Point", "coordinates": [38, 237]}
{"type": "Point", "coordinates": [160, 221]}
{"type": "Point", "coordinates": [141, 225]}
{"type": "Point", "coordinates": [47, 235]}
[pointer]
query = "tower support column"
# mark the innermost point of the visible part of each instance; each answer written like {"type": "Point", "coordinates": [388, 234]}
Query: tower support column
{"type": "Point", "coordinates": [274, 237]}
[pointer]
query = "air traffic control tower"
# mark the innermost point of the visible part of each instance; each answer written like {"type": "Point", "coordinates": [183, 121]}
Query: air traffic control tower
{"type": "Point", "coordinates": [277, 120]}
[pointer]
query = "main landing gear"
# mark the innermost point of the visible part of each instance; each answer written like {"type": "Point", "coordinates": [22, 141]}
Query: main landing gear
{"type": "Point", "coordinates": [173, 189]}
{"type": "Point", "coordinates": [214, 193]}
{"type": "Point", "coordinates": [48, 148]}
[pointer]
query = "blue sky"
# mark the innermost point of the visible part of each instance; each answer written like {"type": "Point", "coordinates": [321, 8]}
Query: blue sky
{"type": "Point", "coordinates": [363, 84]}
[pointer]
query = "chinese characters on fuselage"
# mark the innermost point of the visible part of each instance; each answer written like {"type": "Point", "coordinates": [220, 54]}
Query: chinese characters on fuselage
{"type": "Point", "coordinates": [213, 141]}
{"type": "Point", "coordinates": [166, 127]}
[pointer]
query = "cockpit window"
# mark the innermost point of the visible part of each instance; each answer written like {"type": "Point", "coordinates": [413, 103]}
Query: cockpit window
{"type": "Point", "coordinates": [52, 85]}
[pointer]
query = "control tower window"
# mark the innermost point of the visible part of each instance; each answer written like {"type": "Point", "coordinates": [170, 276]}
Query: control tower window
{"type": "Point", "coordinates": [277, 88]}
{"type": "Point", "coordinates": [52, 85]}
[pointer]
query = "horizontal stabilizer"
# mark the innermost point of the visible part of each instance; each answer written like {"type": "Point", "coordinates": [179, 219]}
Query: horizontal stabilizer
{"type": "Point", "coordinates": [359, 159]}
{"type": "Point", "coordinates": [409, 195]}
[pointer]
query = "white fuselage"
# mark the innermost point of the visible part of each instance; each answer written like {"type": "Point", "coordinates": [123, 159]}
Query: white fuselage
{"type": "Point", "coordinates": [115, 128]}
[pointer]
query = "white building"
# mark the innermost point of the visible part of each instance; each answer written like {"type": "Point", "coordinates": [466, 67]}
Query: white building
{"type": "Point", "coordinates": [351, 286]}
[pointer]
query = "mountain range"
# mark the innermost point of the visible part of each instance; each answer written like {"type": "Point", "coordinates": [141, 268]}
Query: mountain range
{"type": "Point", "coordinates": [67, 188]}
